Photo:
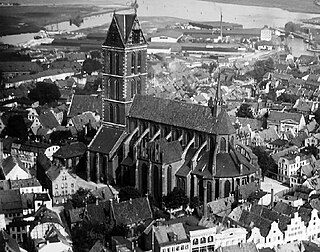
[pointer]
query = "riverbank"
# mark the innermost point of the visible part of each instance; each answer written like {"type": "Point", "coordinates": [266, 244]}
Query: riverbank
{"type": "Point", "coordinates": [305, 6]}
{"type": "Point", "coordinates": [28, 19]}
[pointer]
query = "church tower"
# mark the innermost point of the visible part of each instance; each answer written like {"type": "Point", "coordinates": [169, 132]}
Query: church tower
{"type": "Point", "coordinates": [124, 67]}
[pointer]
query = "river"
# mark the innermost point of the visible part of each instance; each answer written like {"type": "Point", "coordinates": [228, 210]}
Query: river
{"type": "Point", "coordinates": [196, 10]}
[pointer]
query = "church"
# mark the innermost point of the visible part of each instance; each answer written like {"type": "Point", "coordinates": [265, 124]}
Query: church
{"type": "Point", "coordinates": [157, 144]}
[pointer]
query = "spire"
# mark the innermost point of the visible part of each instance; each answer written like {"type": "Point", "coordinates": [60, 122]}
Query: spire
{"type": "Point", "coordinates": [221, 25]}
{"type": "Point", "coordinates": [218, 101]}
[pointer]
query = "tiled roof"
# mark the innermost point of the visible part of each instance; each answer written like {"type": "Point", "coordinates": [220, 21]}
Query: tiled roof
{"type": "Point", "coordinates": [106, 139]}
{"type": "Point", "coordinates": [223, 124]}
{"type": "Point", "coordinates": [84, 103]}
{"type": "Point", "coordinates": [48, 120]}
{"type": "Point", "coordinates": [7, 242]}
{"type": "Point", "coordinates": [80, 120]}
{"type": "Point", "coordinates": [284, 208]}
{"type": "Point", "coordinates": [175, 113]}
{"type": "Point", "coordinates": [131, 211]}
{"type": "Point", "coordinates": [44, 215]}
{"type": "Point", "coordinates": [248, 189]}
{"type": "Point", "coordinates": [21, 183]}
{"type": "Point", "coordinates": [98, 247]}
{"type": "Point", "coordinates": [10, 200]}
{"type": "Point", "coordinates": [76, 215]}
{"type": "Point", "coordinates": [98, 212]}
{"type": "Point", "coordinates": [250, 220]}
{"type": "Point", "coordinates": [10, 162]}
{"type": "Point", "coordinates": [243, 247]}
{"type": "Point", "coordinates": [53, 172]}
{"type": "Point", "coordinates": [277, 117]}
{"type": "Point", "coordinates": [221, 207]}
{"type": "Point", "coordinates": [71, 150]}
{"type": "Point", "coordinates": [20, 66]}
{"type": "Point", "coordinates": [165, 234]}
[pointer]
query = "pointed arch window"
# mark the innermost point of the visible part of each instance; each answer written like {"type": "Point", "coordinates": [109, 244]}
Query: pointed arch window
{"type": "Point", "coordinates": [223, 145]}
{"type": "Point", "coordinates": [110, 63]}
{"type": "Point", "coordinates": [116, 63]}
{"type": "Point", "coordinates": [112, 89]}
{"type": "Point", "coordinates": [138, 86]}
{"type": "Point", "coordinates": [117, 114]}
{"type": "Point", "coordinates": [139, 61]}
{"type": "Point", "coordinates": [117, 90]}
{"type": "Point", "coordinates": [133, 87]}
{"type": "Point", "coordinates": [133, 62]}
{"type": "Point", "coordinates": [111, 114]}
{"type": "Point", "coordinates": [108, 89]}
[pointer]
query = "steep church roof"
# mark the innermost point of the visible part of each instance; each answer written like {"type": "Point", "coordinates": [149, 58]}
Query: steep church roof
{"type": "Point", "coordinates": [223, 124]}
{"type": "Point", "coordinates": [120, 30]}
{"type": "Point", "coordinates": [170, 112]}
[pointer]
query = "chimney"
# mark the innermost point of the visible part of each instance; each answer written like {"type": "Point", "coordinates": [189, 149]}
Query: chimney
{"type": "Point", "coordinates": [272, 199]}
{"type": "Point", "coordinates": [97, 201]}
{"type": "Point", "coordinates": [1, 152]}
{"type": "Point", "coordinates": [205, 201]}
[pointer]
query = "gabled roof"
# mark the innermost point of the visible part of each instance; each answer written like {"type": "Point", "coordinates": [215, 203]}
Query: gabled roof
{"type": "Point", "coordinates": [10, 162]}
{"type": "Point", "coordinates": [106, 139]}
{"type": "Point", "coordinates": [165, 234]}
{"type": "Point", "coordinates": [53, 172]}
{"type": "Point", "coordinates": [223, 124]}
{"type": "Point", "coordinates": [21, 183]}
{"type": "Point", "coordinates": [243, 247]}
{"type": "Point", "coordinates": [277, 117]}
{"type": "Point", "coordinates": [120, 29]}
{"type": "Point", "coordinates": [84, 103]}
{"type": "Point", "coordinates": [98, 247]}
{"type": "Point", "coordinates": [7, 242]}
{"type": "Point", "coordinates": [170, 112]}
{"type": "Point", "coordinates": [10, 200]}
{"type": "Point", "coordinates": [71, 150]}
{"type": "Point", "coordinates": [131, 211]}
{"type": "Point", "coordinates": [48, 120]}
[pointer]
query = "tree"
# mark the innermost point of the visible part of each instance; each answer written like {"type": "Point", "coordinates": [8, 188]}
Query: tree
{"type": "Point", "coordinates": [317, 115]}
{"type": "Point", "coordinates": [95, 54]}
{"type": "Point", "coordinates": [128, 192]}
{"type": "Point", "coordinates": [265, 161]}
{"type": "Point", "coordinates": [311, 149]}
{"type": "Point", "coordinates": [16, 127]}
{"type": "Point", "coordinates": [175, 199]}
{"type": "Point", "coordinates": [91, 65]}
{"type": "Point", "coordinates": [284, 97]}
{"type": "Point", "coordinates": [245, 111]}
{"type": "Point", "coordinates": [260, 68]}
{"type": "Point", "coordinates": [81, 197]}
{"type": "Point", "coordinates": [45, 93]}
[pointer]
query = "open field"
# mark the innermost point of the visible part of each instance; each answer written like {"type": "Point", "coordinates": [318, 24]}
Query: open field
{"type": "Point", "coordinates": [23, 19]}
{"type": "Point", "coordinates": [305, 6]}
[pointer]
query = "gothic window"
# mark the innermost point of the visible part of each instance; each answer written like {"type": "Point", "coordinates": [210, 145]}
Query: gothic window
{"type": "Point", "coordinates": [117, 90]}
{"type": "Point", "coordinates": [108, 88]}
{"type": "Point", "coordinates": [133, 87]}
{"type": "Point", "coordinates": [210, 238]}
{"type": "Point", "coordinates": [117, 114]}
{"type": "Point", "coordinates": [139, 61]}
{"type": "Point", "coordinates": [111, 113]}
{"type": "Point", "coordinates": [139, 86]}
{"type": "Point", "coordinates": [136, 36]}
{"type": "Point", "coordinates": [111, 63]}
{"type": "Point", "coordinates": [223, 145]}
{"type": "Point", "coordinates": [169, 177]}
{"type": "Point", "coordinates": [133, 62]}
{"type": "Point", "coordinates": [113, 85]}
{"type": "Point", "coordinates": [116, 63]}
{"type": "Point", "coordinates": [195, 242]}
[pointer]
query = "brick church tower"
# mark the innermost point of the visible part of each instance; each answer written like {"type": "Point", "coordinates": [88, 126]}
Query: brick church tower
{"type": "Point", "coordinates": [124, 67]}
